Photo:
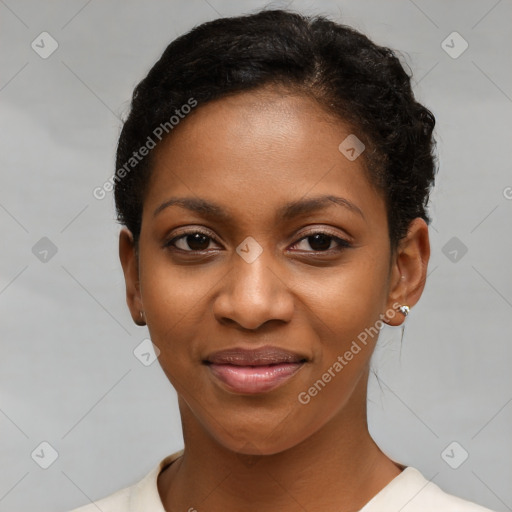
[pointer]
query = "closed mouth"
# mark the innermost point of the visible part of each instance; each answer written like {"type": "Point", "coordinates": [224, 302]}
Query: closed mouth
{"type": "Point", "coordinates": [254, 371]}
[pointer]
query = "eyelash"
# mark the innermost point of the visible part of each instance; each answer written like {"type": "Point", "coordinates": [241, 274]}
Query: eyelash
{"type": "Point", "coordinates": [342, 243]}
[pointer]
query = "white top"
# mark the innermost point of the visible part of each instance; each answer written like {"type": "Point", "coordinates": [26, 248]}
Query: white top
{"type": "Point", "coordinates": [410, 491]}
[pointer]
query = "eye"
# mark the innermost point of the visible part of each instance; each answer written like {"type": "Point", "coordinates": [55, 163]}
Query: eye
{"type": "Point", "coordinates": [321, 241]}
{"type": "Point", "coordinates": [318, 241]}
{"type": "Point", "coordinates": [191, 241]}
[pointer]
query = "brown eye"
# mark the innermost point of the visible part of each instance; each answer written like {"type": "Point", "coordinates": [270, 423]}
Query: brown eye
{"type": "Point", "coordinates": [197, 241]}
{"type": "Point", "coordinates": [321, 242]}
{"type": "Point", "coordinates": [191, 241]}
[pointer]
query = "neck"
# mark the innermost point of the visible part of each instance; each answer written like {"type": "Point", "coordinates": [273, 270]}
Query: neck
{"type": "Point", "coordinates": [339, 467]}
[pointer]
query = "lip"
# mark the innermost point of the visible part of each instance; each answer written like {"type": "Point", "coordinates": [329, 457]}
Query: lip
{"type": "Point", "coordinates": [254, 371]}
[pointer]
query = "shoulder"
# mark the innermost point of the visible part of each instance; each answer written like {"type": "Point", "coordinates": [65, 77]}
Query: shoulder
{"type": "Point", "coordinates": [142, 495]}
{"type": "Point", "coordinates": [117, 502]}
{"type": "Point", "coordinates": [412, 492]}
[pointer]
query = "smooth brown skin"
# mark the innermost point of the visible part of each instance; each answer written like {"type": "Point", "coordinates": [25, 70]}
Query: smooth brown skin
{"type": "Point", "coordinates": [251, 153]}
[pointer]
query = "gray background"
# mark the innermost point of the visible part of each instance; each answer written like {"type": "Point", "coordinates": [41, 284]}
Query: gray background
{"type": "Point", "coordinates": [68, 374]}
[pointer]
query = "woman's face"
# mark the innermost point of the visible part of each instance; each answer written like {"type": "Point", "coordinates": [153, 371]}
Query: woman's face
{"type": "Point", "coordinates": [287, 250]}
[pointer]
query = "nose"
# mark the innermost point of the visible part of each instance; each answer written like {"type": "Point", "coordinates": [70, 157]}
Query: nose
{"type": "Point", "coordinates": [253, 294]}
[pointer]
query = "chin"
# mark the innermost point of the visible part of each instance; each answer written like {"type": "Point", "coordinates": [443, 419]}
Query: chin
{"type": "Point", "coordinates": [259, 438]}
{"type": "Point", "coordinates": [258, 447]}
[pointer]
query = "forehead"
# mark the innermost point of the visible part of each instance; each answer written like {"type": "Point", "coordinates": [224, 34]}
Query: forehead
{"type": "Point", "coordinates": [255, 150]}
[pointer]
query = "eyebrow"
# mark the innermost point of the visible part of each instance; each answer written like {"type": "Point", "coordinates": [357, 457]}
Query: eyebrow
{"type": "Point", "coordinates": [286, 212]}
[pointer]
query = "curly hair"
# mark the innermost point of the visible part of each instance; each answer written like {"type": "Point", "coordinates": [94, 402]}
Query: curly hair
{"type": "Point", "coordinates": [350, 77]}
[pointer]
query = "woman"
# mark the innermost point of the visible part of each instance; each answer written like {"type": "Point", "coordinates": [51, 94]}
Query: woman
{"type": "Point", "coordinates": [272, 180]}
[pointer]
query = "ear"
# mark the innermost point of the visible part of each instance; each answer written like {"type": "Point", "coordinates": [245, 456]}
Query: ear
{"type": "Point", "coordinates": [129, 262]}
{"type": "Point", "coordinates": [408, 271]}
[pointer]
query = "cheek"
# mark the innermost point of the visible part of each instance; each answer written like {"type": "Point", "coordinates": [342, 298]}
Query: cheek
{"type": "Point", "coordinates": [172, 294]}
{"type": "Point", "coordinates": [350, 299]}
{"type": "Point", "coordinates": [174, 301]}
